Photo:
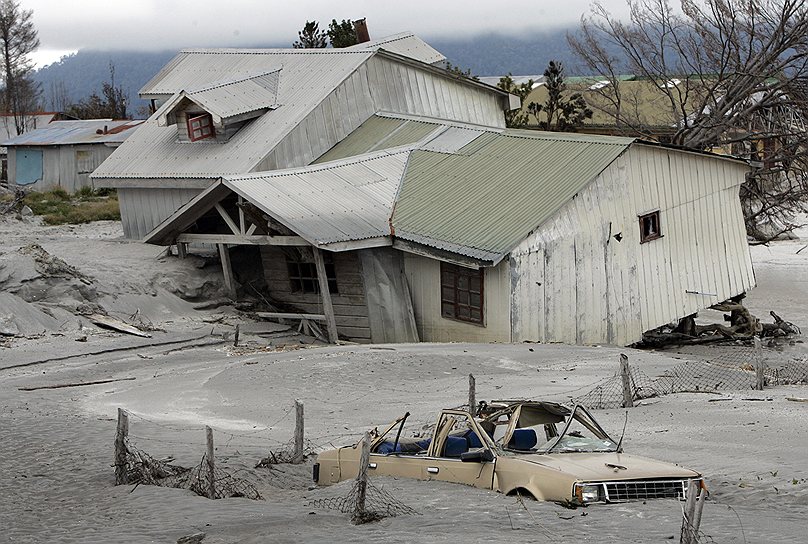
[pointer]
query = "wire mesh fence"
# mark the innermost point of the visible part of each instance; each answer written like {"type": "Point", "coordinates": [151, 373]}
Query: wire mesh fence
{"type": "Point", "coordinates": [379, 504]}
{"type": "Point", "coordinates": [729, 368]}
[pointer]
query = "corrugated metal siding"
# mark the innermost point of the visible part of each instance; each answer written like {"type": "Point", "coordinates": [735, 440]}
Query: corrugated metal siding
{"type": "Point", "coordinates": [405, 44]}
{"type": "Point", "coordinates": [338, 202]}
{"type": "Point", "coordinates": [363, 139]}
{"type": "Point", "coordinates": [65, 166]}
{"type": "Point", "coordinates": [573, 282]}
{"type": "Point", "coordinates": [490, 199]}
{"type": "Point", "coordinates": [143, 209]}
{"type": "Point", "coordinates": [423, 276]}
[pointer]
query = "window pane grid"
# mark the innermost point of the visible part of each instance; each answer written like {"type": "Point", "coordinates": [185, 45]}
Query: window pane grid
{"type": "Point", "coordinates": [303, 277]}
{"type": "Point", "coordinates": [200, 127]}
{"type": "Point", "coordinates": [461, 293]}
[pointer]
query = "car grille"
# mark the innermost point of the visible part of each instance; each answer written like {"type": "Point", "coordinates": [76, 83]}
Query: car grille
{"type": "Point", "coordinates": [645, 489]}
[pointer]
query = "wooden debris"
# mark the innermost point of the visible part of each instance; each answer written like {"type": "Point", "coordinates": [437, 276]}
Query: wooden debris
{"type": "Point", "coordinates": [116, 325]}
{"type": "Point", "coordinates": [796, 399]}
{"type": "Point", "coordinates": [76, 384]}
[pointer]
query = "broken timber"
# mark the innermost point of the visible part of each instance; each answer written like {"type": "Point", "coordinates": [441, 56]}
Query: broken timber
{"type": "Point", "coordinates": [116, 324]}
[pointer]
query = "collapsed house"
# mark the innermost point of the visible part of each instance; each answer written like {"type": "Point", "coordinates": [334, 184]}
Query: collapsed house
{"type": "Point", "coordinates": [416, 228]}
{"type": "Point", "coordinates": [222, 112]}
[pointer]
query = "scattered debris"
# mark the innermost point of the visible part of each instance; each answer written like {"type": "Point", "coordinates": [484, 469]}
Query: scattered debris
{"type": "Point", "coordinates": [195, 538]}
{"type": "Point", "coordinates": [796, 399]}
{"type": "Point", "coordinates": [116, 325]}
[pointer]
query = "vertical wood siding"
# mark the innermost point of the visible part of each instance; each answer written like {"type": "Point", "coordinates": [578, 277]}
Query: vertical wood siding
{"type": "Point", "coordinates": [423, 275]}
{"type": "Point", "coordinates": [143, 209]}
{"type": "Point", "coordinates": [573, 282]}
{"type": "Point", "coordinates": [66, 166]}
{"type": "Point", "coordinates": [350, 307]}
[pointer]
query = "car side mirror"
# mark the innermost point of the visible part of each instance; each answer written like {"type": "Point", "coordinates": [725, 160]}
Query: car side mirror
{"type": "Point", "coordinates": [478, 456]}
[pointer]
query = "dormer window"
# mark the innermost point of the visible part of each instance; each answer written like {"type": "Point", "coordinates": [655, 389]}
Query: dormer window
{"type": "Point", "coordinates": [200, 126]}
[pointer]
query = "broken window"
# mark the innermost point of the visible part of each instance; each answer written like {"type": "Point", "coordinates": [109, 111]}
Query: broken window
{"type": "Point", "coordinates": [303, 275]}
{"type": "Point", "coordinates": [461, 293]}
{"type": "Point", "coordinates": [200, 126]}
{"type": "Point", "coordinates": [650, 227]}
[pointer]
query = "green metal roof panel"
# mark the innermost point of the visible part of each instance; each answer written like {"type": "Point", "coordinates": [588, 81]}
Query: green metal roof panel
{"type": "Point", "coordinates": [378, 133]}
{"type": "Point", "coordinates": [496, 190]}
{"type": "Point", "coordinates": [363, 139]}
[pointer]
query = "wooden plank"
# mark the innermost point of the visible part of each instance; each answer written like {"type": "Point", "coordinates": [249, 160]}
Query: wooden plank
{"type": "Point", "coordinates": [328, 308]}
{"type": "Point", "coordinates": [227, 270]}
{"type": "Point", "coordinates": [227, 219]}
{"type": "Point", "coordinates": [282, 315]}
{"type": "Point", "coordinates": [116, 324]}
{"type": "Point", "coordinates": [243, 240]}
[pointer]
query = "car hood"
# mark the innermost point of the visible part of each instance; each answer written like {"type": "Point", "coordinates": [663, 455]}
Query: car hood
{"type": "Point", "coordinates": [596, 466]}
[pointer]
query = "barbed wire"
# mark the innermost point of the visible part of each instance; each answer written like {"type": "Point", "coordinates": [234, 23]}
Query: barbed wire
{"type": "Point", "coordinates": [379, 504]}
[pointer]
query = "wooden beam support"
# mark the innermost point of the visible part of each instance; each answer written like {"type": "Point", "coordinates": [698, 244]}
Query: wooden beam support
{"type": "Point", "coordinates": [227, 270]}
{"type": "Point", "coordinates": [227, 219]}
{"type": "Point", "coordinates": [328, 307]}
{"type": "Point", "coordinates": [241, 222]}
{"type": "Point", "coordinates": [242, 240]}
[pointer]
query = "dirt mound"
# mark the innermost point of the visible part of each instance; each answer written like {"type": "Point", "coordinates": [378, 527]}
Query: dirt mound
{"type": "Point", "coordinates": [36, 276]}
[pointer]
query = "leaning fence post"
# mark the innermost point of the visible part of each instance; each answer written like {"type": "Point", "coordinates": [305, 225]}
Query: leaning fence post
{"type": "Point", "coordinates": [362, 480]}
{"type": "Point", "coordinates": [297, 457]}
{"type": "Point", "coordinates": [121, 433]}
{"type": "Point", "coordinates": [759, 378]}
{"type": "Point", "coordinates": [210, 487]}
{"type": "Point", "coordinates": [625, 375]}
{"type": "Point", "coordinates": [472, 395]}
{"type": "Point", "coordinates": [690, 523]}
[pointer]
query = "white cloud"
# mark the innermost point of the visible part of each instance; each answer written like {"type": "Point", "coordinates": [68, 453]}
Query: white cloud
{"type": "Point", "coordinates": [171, 24]}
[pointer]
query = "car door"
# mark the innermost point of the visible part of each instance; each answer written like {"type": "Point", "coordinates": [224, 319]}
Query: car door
{"type": "Point", "coordinates": [443, 461]}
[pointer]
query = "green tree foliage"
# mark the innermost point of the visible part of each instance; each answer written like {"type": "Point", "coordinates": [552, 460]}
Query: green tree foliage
{"type": "Point", "coordinates": [457, 72]}
{"type": "Point", "coordinates": [341, 34]}
{"type": "Point", "coordinates": [559, 113]}
{"type": "Point", "coordinates": [112, 103]}
{"type": "Point", "coordinates": [515, 118]}
{"type": "Point", "coordinates": [18, 39]}
{"type": "Point", "coordinates": [311, 37]}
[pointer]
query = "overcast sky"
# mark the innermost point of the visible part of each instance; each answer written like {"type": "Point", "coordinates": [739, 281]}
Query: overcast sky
{"type": "Point", "coordinates": [65, 27]}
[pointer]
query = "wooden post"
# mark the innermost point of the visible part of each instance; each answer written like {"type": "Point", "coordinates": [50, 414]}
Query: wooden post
{"type": "Point", "coordinates": [297, 458]}
{"type": "Point", "coordinates": [227, 270]}
{"type": "Point", "coordinates": [472, 395]}
{"type": "Point", "coordinates": [697, 514]}
{"type": "Point", "coordinates": [121, 477]}
{"type": "Point", "coordinates": [182, 250]}
{"type": "Point", "coordinates": [362, 479]}
{"type": "Point", "coordinates": [328, 307]}
{"type": "Point", "coordinates": [759, 367]}
{"type": "Point", "coordinates": [235, 336]}
{"type": "Point", "coordinates": [210, 487]}
{"type": "Point", "coordinates": [689, 528]}
{"type": "Point", "coordinates": [625, 375]}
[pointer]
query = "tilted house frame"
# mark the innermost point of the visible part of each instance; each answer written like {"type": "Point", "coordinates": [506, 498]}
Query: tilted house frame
{"type": "Point", "coordinates": [442, 231]}
{"type": "Point", "coordinates": [235, 111]}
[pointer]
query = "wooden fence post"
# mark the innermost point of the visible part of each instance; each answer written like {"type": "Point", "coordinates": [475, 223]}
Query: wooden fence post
{"type": "Point", "coordinates": [692, 513]}
{"type": "Point", "coordinates": [210, 487]}
{"type": "Point", "coordinates": [121, 433]}
{"type": "Point", "coordinates": [298, 455]}
{"type": "Point", "coordinates": [759, 367]}
{"type": "Point", "coordinates": [625, 375]}
{"type": "Point", "coordinates": [362, 480]}
{"type": "Point", "coordinates": [472, 395]}
{"type": "Point", "coordinates": [235, 336]}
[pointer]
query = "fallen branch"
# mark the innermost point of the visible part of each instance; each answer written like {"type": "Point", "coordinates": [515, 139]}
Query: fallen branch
{"type": "Point", "coordinates": [76, 384]}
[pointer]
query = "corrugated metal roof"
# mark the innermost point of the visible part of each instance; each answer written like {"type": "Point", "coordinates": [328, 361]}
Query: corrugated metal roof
{"type": "Point", "coordinates": [496, 190]}
{"type": "Point", "coordinates": [406, 44]}
{"type": "Point", "coordinates": [306, 79]}
{"type": "Point", "coordinates": [363, 139]}
{"type": "Point", "coordinates": [341, 201]}
{"type": "Point", "coordinates": [230, 98]}
{"type": "Point", "coordinates": [91, 131]}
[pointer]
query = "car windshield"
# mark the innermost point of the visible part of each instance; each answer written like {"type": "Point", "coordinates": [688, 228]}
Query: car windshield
{"type": "Point", "coordinates": [550, 428]}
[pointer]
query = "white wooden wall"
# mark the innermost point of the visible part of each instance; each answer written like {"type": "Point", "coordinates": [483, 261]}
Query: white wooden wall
{"type": "Point", "coordinates": [380, 85]}
{"type": "Point", "coordinates": [65, 166]}
{"type": "Point", "coordinates": [423, 275]}
{"type": "Point", "coordinates": [573, 282]}
{"type": "Point", "coordinates": [142, 209]}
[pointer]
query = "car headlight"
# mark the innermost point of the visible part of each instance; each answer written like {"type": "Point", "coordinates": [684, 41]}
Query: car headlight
{"type": "Point", "coordinates": [586, 493]}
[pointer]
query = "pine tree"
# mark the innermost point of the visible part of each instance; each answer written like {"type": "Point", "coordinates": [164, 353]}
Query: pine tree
{"type": "Point", "coordinates": [342, 34]}
{"type": "Point", "coordinates": [561, 113]}
{"type": "Point", "coordinates": [311, 37]}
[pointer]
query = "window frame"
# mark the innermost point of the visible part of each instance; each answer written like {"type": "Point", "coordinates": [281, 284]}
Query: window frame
{"type": "Point", "coordinates": [643, 219]}
{"type": "Point", "coordinates": [454, 303]}
{"type": "Point", "coordinates": [191, 117]}
{"type": "Point", "coordinates": [305, 273]}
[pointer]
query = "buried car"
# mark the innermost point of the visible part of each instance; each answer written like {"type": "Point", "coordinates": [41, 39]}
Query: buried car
{"type": "Point", "coordinates": [541, 449]}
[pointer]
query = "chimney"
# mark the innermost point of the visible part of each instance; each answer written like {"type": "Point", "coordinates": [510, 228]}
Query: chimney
{"type": "Point", "coordinates": [361, 29]}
